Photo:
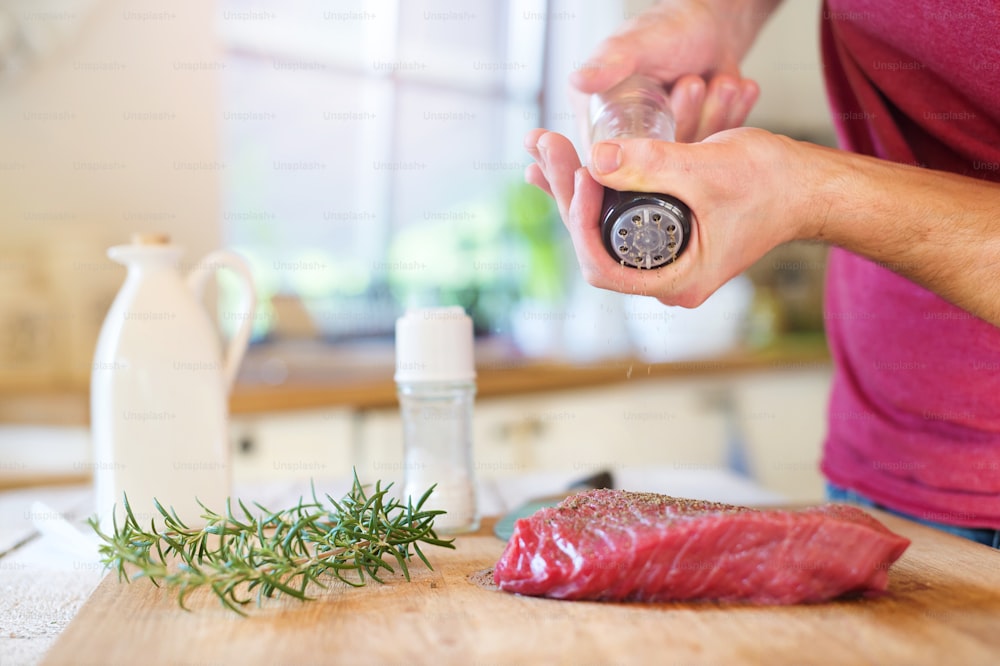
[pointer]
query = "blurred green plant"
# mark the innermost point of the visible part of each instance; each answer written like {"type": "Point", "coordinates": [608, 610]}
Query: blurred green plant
{"type": "Point", "coordinates": [484, 256]}
{"type": "Point", "coordinates": [534, 220]}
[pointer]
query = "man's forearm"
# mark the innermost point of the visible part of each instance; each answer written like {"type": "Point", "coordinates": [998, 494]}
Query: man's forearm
{"type": "Point", "coordinates": [940, 230]}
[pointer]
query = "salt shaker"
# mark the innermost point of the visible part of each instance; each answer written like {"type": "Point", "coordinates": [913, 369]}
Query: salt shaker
{"type": "Point", "coordinates": [435, 380]}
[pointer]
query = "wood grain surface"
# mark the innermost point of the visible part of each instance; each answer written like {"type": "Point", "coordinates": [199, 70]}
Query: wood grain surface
{"type": "Point", "coordinates": [943, 607]}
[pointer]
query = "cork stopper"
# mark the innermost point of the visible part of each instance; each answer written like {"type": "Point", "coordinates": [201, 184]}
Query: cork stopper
{"type": "Point", "coordinates": [150, 238]}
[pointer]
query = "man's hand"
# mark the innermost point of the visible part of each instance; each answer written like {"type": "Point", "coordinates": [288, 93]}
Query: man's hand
{"type": "Point", "coordinates": [737, 184]}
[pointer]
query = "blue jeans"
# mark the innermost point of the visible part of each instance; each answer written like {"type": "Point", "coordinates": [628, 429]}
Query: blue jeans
{"type": "Point", "coordinates": [979, 535]}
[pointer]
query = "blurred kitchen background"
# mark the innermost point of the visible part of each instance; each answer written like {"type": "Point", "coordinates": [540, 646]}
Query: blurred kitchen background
{"type": "Point", "coordinates": [366, 155]}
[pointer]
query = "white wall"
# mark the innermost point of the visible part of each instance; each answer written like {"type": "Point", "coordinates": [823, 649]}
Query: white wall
{"type": "Point", "coordinates": [113, 131]}
{"type": "Point", "coordinates": [785, 62]}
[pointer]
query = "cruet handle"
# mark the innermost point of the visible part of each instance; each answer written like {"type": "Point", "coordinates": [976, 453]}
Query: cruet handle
{"type": "Point", "coordinates": [247, 304]}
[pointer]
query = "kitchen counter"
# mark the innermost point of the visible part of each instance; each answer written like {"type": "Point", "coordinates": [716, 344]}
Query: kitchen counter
{"type": "Point", "coordinates": [49, 568]}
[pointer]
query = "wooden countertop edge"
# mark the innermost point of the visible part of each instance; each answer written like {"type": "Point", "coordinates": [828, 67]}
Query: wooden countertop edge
{"type": "Point", "coordinates": [516, 379]}
{"type": "Point", "coordinates": [69, 406]}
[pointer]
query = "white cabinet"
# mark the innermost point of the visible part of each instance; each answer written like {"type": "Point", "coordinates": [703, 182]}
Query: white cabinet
{"type": "Point", "coordinates": [775, 418]}
{"type": "Point", "coordinates": [783, 416]}
{"type": "Point", "coordinates": [585, 430]}
{"type": "Point", "coordinates": [293, 445]}
{"type": "Point", "coordinates": [632, 424]}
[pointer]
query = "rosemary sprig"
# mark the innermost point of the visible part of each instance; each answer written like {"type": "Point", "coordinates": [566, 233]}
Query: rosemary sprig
{"type": "Point", "coordinates": [273, 552]}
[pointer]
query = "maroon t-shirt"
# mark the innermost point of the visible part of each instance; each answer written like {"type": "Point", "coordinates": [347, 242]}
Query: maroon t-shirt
{"type": "Point", "coordinates": [914, 416]}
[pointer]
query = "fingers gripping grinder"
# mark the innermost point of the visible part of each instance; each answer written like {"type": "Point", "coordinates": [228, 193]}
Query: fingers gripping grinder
{"type": "Point", "coordinates": [640, 229]}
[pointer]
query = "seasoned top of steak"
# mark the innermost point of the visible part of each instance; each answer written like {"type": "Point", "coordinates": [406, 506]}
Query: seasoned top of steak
{"type": "Point", "coordinates": [619, 503]}
{"type": "Point", "coordinates": [632, 509]}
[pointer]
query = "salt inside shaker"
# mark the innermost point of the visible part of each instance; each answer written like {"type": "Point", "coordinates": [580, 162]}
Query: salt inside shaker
{"type": "Point", "coordinates": [435, 380]}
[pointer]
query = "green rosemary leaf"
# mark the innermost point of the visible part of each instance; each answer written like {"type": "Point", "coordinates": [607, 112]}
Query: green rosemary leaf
{"type": "Point", "coordinates": [402, 563]}
{"type": "Point", "coordinates": [246, 511]}
{"type": "Point", "coordinates": [276, 582]}
{"type": "Point", "coordinates": [423, 498]}
{"type": "Point", "coordinates": [420, 554]}
{"type": "Point", "coordinates": [338, 573]}
{"type": "Point", "coordinates": [130, 520]}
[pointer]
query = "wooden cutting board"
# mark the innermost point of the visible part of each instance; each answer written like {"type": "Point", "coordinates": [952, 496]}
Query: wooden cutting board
{"type": "Point", "coordinates": [943, 606]}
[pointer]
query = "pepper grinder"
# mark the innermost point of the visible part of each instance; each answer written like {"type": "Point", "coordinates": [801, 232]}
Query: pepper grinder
{"type": "Point", "coordinates": [639, 229]}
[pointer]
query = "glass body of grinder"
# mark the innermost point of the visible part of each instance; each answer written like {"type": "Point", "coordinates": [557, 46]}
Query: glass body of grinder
{"type": "Point", "coordinates": [640, 229]}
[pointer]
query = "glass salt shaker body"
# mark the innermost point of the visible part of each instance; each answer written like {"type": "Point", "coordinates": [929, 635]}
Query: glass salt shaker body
{"type": "Point", "coordinates": [435, 379]}
{"type": "Point", "coordinates": [638, 107]}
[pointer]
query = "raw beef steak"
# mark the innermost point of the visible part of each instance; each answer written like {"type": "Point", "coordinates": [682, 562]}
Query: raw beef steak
{"type": "Point", "coordinates": [618, 545]}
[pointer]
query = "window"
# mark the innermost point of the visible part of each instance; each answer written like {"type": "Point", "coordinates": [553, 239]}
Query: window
{"type": "Point", "coordinates": [373, 153]}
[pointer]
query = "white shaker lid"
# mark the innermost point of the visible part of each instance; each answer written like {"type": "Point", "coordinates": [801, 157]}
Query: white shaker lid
{"type": "Point", "coordinates": [434, 345]}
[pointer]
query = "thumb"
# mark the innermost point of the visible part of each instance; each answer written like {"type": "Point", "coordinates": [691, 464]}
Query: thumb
{"type": "Point", "coordinates": [645, 165]}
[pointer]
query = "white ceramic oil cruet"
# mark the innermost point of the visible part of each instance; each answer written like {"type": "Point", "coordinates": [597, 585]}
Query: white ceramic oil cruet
{"type": "Point", "coordinates": [160, 385]}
